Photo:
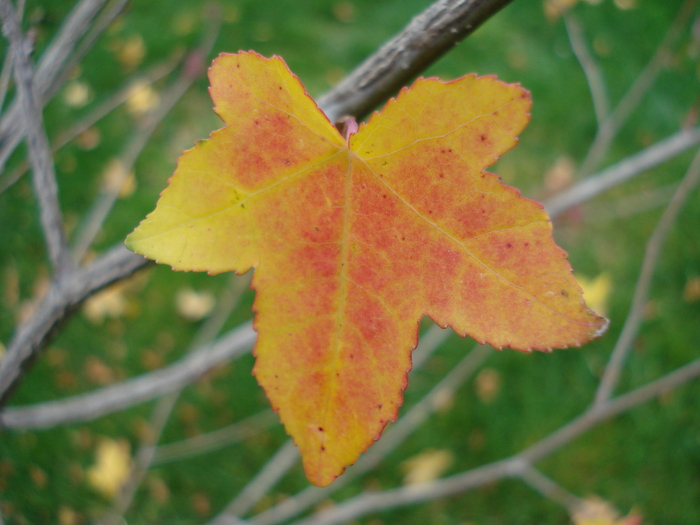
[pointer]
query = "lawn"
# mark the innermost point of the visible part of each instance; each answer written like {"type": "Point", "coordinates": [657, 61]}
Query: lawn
{"type": "Point", "coordinates": [645, 461]}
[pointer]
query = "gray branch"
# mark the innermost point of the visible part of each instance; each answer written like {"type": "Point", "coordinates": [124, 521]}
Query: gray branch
{"type": "Point", "coordinates": [623, 171]}
{"type": "Point", "coordinates": [513, 466]}
{"type": "Point", "coordinates": [58, 304]}
{"type": "Point", "coordinates": [148, 386]}
{"type": "Point", "coordinates": [426, 38]}
{"type": "Point", "coordinates": [40, 156]}
{"type": "Point", "coordinates": [50, 66]}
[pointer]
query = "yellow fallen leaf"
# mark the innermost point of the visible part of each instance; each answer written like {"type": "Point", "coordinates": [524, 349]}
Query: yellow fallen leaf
{"type": "Point", "coordinates": [624, 5]}
{"type": "Point", "coordinates": [596, 291]}
{"type": "Point", "coordinates": [426, 466]}
{"type": "Point", "coordinates": [111, 468]}
{"type": "Point", "coordinates": [132, 52]}
{"type": "Point", "coordinates": [193, 305]}
{"type": "Point", "coordinates": [691, 292]}
{"type": "Point", "coordinates": [109, 303]}
{"type": "Point", "coordinates": [143, 98]}
{"type": "Point", "coordinates": [116, 178]}
{"type": "Point", "coordinates": [487, 384]}
{"type": "Point", "coordinates": [76, 94]}
{"type": "Point", "coordinates": [560, 175]}
{"type": "Point", "coordinates": [596, 511]}
{"type": "Point", "coordinates": [553, 9]}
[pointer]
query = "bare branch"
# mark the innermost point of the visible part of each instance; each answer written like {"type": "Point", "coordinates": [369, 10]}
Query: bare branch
{"type": "Point", "coordinates": [51, 64]}
{"type": "Point", "coordinates": [64, 137]}
{"type": "Point", "coordinates": [550, 489]}
{"type": "Point", "coordinates": [165, 405]}
{"type": "Point", "coordinates": [425, 39]}
{"type": "Point", "coordinates": [92, 32]}
{"type": "Point", "coordinates": [285, 458]}
{"type": "Point", "coordinates": [641, 292]}
{"type": "Point", "coordinates": [623, 171]}
{"type": "Point", "coordinates": [40, 155]}
{"type": "Point", "coordinates": [7, 62]}
{"type": "Point", "coordinates": [607, 130]}
{"type": "Point", "coordinates": [514, 466]}
{"type": "Point", "coordinates": [116, 397]}
{"type": "Point", "coordinates": [594, 75]}
{"type": "Point", "coordinates": [217, 439]}
{"type": "Point", "coordinates": [59, 303]}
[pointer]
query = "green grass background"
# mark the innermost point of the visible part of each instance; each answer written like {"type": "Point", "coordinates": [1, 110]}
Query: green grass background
{"type": "Point", "coordinates": [648, 459]}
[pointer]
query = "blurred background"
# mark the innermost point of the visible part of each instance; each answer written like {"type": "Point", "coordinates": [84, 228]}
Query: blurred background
{"type": "Point", "coordinates": [646, 461]}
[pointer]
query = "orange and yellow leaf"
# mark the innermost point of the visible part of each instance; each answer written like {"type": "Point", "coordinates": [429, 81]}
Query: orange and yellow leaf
{"type": "Point", "coordinates": [354, 241]}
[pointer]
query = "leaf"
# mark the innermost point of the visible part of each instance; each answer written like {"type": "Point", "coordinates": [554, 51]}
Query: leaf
{"type": "Point", "coordinates": [426, 466]}
{"type": "Point", "coordinates": [193, 305]}
{"type": "Point", "coordinates": [354, 240]}
{"type": "Point", "coordinates": [112, 466]}
{"type": "Point", "coordinates": [596, 511]}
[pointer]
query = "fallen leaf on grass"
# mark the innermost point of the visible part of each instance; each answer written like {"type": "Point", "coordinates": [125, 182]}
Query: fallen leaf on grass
{"type": "Point", "coordinates": [193, 305]}
{"type": "Point", "coordinates": [111, 468]}
{"type": "Point", "coordinates": [691, 291]}
{"type": "Point", "coordinates": [596, 511]}
{"type": "Point", "coordinates": [426, 466]}
{"type": "Point", "coordinates": [487, 384]}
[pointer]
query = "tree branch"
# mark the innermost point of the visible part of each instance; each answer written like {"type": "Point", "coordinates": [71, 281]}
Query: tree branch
{"type": "Point", "coordinates": [623, 171]}
{"type": "Point", "coordinates": [58, 304]}
{"type": "Point", "coordinates": [611, 374]}
{"type": "Point", "coordinates": [514, 466]}
{"type": "Point", "coordinates": [139, 389]}
{"type": "Point", "coordinates": [425, 39]}
{"type": "Point", "coordinates": [608, 128]}
{"type": "Point", "coordinates": [591, 70]}
{"type": "Point", "coordinates": [51, 64]}
{"type": "Point", "coordinates": [216, 439]}
{"type": "Point", "coordinates": [278, 465]}
{"type": "Point", "coordinates": [40, 155]}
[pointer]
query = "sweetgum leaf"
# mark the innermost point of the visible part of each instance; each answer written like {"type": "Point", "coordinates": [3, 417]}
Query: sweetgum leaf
{"type": "Point", "coordinates": [353, 241]}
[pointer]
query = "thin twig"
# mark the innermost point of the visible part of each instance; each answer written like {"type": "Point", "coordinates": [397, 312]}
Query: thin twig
{"type": "Point", "coordinates": [165, 405]}
{"type": "Point", "coordinates": [59, 303]}
{"type": "Point", "coordinates": [514, 466]}
{"type": "Point", "coordinates": [40, 156]}
{"type": "Point", "coordinates": [624, 343]}
{"type": "Point", "coordinates": [630, 101]}
{"type": "Point", "coordinates": [630, 205]}
{"type": "Point", "coordinates": [92, 32]}
{"type": "Point", "coordinates": [550, 489]}
{"type": "Point", "coordinates": [286, 457]}
{"type": "Point", "coordinates": [608, 409]}
{"type": "Point", "coordinates": [623, 171]}
{"type": "Point", "coordinates": [51, 64]}
{"type": "Point", "coordinates": [6, 73]}
{"type": "Point", "coordinates": [136, 390]}
{"type": "Point", "coordinates": [590, 67]}
{"type": "Point", "coordinates": [152, 75]}
{"type": "Point", "coordinates": [216, 439]}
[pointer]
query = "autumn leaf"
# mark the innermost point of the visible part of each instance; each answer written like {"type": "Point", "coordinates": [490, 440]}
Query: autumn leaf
{"type": "Point", "coordinates": [354, 239]}
{"type": "Point", "coordinates": [111, 468]}
{"type": "Point", "coordinates": [596, 511]}
{"type": "Point", "coordinates": [426, 466]}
